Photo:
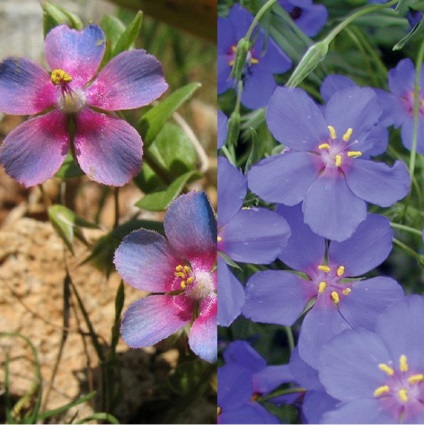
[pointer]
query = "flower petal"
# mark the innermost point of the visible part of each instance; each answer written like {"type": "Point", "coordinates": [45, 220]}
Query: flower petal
{"type": "Point", "coordinates": [153, 318]}
{"type": "Point", "coordinates": [25, 87]}
{"type": "Point", "coordinates": [234, 387]}
{"type": "Point", "coordinates": [203, 334]}
{"type": "Point", "coordinates": [145, 260]}
{"type": "Point", "coordinates": [243, 354]}
{"type": "Point", "coordinates": [334, 83]}
{"type": "Point", "coordinates": [368, 247]}
{"type": "Point", "coordinates": [258, 88]}
{"type": "Point", "coordinates": [362, 411]}
{"type": "Point", "coordinates": [35, 150]}
{"type": "Point", "coordinates": [230, 295]}
{"type": "Point", "coordinates": [78, 53]}
{"type": "Point", "coordinates": [222, 131]}
{"type": "Point", "coordinates": [304, 374]}
{"type": "Point", "coordinates": [130, 80]}
{"type": "Point", "coordinates": [190, 226]}
{"type": "Point", "coordinates": [356, 108]}
{"type": "Point", "coordinates": [275, 296]}
{"type": "Point", "coordinates": [305, 249]}
{"type": "Point", "coordinates": [254, 235]}
{"type": "Point", "coordinates": [249, 413]}
{"type": "Point", "coordinates": [232, 189]}
{"type": "Point", "coordinates": [331, 209]}
{"type": "Point", "coordinates": [402, 77]}
{"type": "Point", "coordinates": [315, 404]}
{"type": "Point", "coordinates": [283, 178]}
{"type": "Point", "coordinates": [377, 183]}
{"type": "Point", "coordinates": [407, 134]}
{"type": "Point", "coordinates": [108, 149]}
{"type": "Point", "coordinates": [295, 120]}
{"type": "Point", "coordinates": [368, 299]}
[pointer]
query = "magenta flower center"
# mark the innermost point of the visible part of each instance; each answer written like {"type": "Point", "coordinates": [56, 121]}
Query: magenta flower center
{"type": "Point", "coordinates": [336, 152]}
{"type": "Point", "coordinates": [71, 100]}
{"type": "Point", "coordinates": [328, 283]}
{"type": "Point", "coordinates": [408, 103]}
{"type": "Point", "coordinates": [251, 58]}
{"type": "Point", "coordinates": [404, 388]}
{"type": "Point", "coordinates": [197, 285]}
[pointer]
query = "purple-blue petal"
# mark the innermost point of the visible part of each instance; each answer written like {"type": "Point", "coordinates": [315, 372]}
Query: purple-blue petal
{"type": "Point", "coordinates": [377, 183]}
{"type": "Point", "coordinates": [271, 377]}
{"type": "Point", "coordinates": [273, 60]}
{"type": "Point", "coordinates": [331, 209]}
{"type": "Point", "coordinates": [222, 129]}
{"type": "Point", "coordinates": [232, 189]}
{"type": "Point", "coordinates": [249, 413]}
{"type": "Point", "coordinates": [283, 178]}
{"type": "Point", "coordinates": [402, 77]}
{"type": "Point", "coordinates": [333, 83]}
{"type": "Point", "coordinates": [407, 134]}
{"type": "Point", "coordinates": [254, 235]}
{"type": "Point", "coordinates": [241, 353]}
{"type": "Point", "coordinates": [295, 120]}
{"type": "Point", "coordinates": [258, 88]}
{"type": "Point", "coordinates": [315, 404]}
{"type": "Point", "coordinates": [231, 295]}
{"type": "Point", "coordinates": [368, 247]}
{"type": "Point", "coordinates": [275, 296]}
{"type": "Point", "coordinates": [303, 373]}
{"type": "Point", "coordinates": [234, 386]}
{"type": "Point", "coordinates": [190, 226]}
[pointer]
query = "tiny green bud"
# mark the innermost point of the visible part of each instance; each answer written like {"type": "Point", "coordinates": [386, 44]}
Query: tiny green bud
{"type": "Point", "coordinates": [243, 48]}
{"type": "Point", "coordinates": [310, 60]}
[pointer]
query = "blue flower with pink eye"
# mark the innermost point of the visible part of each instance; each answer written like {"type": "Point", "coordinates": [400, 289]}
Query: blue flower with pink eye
{"type": "Point", "coordinates": [180, 271]}
{"type": "Point", "coordinates": [309, 17]}
{"type": "Point", "coordinates": [244, 378]}
{"type": "Point", "coordinates": [247, 235]}
{"type": "Point", "coordinates": [329, 278]}
{"type": "Point", "coordinates": [378, 377]}
{"type": "Point", "coordinates": [73, 105]}
{"type": "Point", "coordinates": [264, 59]}
{"type": "Point", "coordinates": [326, 166]}
{"type": "Point", "coordinates": [398, 105]}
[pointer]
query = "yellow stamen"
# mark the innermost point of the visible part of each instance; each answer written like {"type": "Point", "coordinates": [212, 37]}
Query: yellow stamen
{"type": "Point", "coordinates": [414, 379]}
{"type": "Point", "coordinates": [338, 160]}
{"type": "Point", "coordinates": [254, 61]}
{"type": "Point", "coordinates": [381, 390]}
{"type": "Point", "coordinates": [183, 284]}
{"type": "Point", "coordinates": [335, 297]}
{"type": "Point", "coordinates": [179, 274]}
{"type": "Point", "coordinates": [187, 269]}
{"type": "Point", "coordinates": [324, 146]}
{"type": "Point", "coordinates": [233, 48]}
{"type": "Point", "coordinates": [332, 131]}
{"type": "Point", "coordinates": [387, 369]}
{"type": "Point", "coordinates": [231, 63]}
{"type": "Point", "coordinates": [324, 268]}
{"type": "Point", "coordinates": [403, 363]}
{"type": "Point", "coordinates": [340, 271]}
{"type": "Point", "coordinates": [190, 280]}
{"type": "Point", "coordinates": [347, 291]}
{"type": "Point", "coordinates": [218, 410]}
{"type": "Point", "coordinates": [60, 76]}
{"type": "Point", "coordinates": [179, 268]}
{"type": "Point", "coordinates": [219, 238]}
{"type": "Point", "coordinates": [403, 395]}
{"type": "Point", "coordinates": [347, 135]}
{"type": "Point", "coordinates": [354, 154]}
{"type": "Point", "coordinates": [321, 287]}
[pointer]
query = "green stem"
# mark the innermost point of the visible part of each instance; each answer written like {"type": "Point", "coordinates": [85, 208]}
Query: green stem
{"type": "Point", "coordinates": [406, 228]}
{"type": "Point", "coordinates": [282, 392]}
{"type": "Point", "coordinates": [290, 337]}
{"type": "Point", "coordinates": [258, 17]}
{"type": "Point", "coordinates": [408, 250]}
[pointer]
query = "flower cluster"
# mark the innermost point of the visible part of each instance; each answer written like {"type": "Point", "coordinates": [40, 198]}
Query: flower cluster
{"type": "Point", "coordinates": [322, 299]}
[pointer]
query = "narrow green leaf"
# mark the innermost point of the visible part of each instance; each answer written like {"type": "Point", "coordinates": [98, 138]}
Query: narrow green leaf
{"type": "Point", "coordinates": [416, 29]}
{"type": "Point", "coordinates": [69, 168]}
{"type": "Point", "coordinates": [113, 28]}
{"type": "Point", "coordinates": [54, 15]}
{"type": "Point", "coordinates": [128, 37]}
{"type": "Point", "coordinates": [155, 118]}
{"type": "Point", "coordinates": [158, 201]}
{"type": "Point", "coordinates": [104, 417]}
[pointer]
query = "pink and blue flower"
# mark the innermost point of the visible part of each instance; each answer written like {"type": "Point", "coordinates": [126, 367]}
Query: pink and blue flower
{"type": "Point", "coordinates": [180, 271]}
{"type": "Point", "coordinates": [73, 105]}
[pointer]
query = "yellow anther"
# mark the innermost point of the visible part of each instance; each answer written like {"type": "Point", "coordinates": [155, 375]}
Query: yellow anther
{"type": "Point", "coordinates": [340, 270]}
{"type": "Point", "coordinates": [187, 269]}
{"type": "Point", "coordinates": [347, 291]}
{"type": "Point", "coordinates": [179, 268]}
{"type": "Point", "coordinates": [190, 280]}
{"type": "Point", "coordinates": [354, 154]}
{"type": "Point", "coordinates": [233, 48]}
{"type": "Point", "coordinates": [403, 363]}
{"type": "Point", "coordinates": [347, 135]}
{"type": "Point", "coordinates": [338, 160]}
{"type": "Point", "coordinates": [387, 369]}
{"type": "Point", "coordinates": [254, 61]}
{"type": "Point", "coordinates": [403, 395]}
{"type": "Point", "coordinates": [231, 63]}
{"type": "Point", "coordinates": [335, 297]}
{"type": "Point", "coordinates": [414, 379]}
{"type": "Point", "coordinates": [324, 146]}
{"type": "Point", "coordinates": [321, 287]}
{"type": "Point", "coordinates": [381, 390]}
{"type": "Point", "coordinates": [324, 268]}
{"type": "Point", "coordinates": [60, 76]}
{"type": "Point", "coordinates": [183, 284]}
{"type": "Point", "coordinates": [332, 131]}
{"type": "Point", "coordinates": [218, 410]}
{"type": "Point", "coordinates": [180, 274]}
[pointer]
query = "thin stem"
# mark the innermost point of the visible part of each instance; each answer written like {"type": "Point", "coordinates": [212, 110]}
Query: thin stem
{"type": "Point", "coordinates": [408, 250]}
{"type": "Point", "coordinates": [258, 17]}
{"type": "Point", "coordinates": [290, 337]}
{"type": "Point", "coordinates": [406, 228]}
{"type": "Point", "coordinates": [282, 392]}
{"type": "Point", "coordinates": [116, 205]}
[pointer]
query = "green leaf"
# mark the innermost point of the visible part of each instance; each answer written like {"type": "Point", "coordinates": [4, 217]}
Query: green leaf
{"type": "Point", "coordinates": [416, 29]}
{"type": "Point", "coordinates": [113, 28]}
{"type": "Point", "coordinates": [66, 223]}
{"type": "Point", "coordinates": [128, 37]}
{"type": "Point", "coordinates": [54, 15]}
{"type": "Point", "coordinates": [158, 201]}
{"type": "Point", "coordinates": [155, 118]}
{"type": "Point", "coordinates": [103, 417]}
{"type": "Point", "coordinates": [69, 168]}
